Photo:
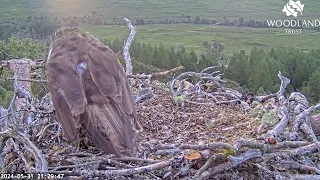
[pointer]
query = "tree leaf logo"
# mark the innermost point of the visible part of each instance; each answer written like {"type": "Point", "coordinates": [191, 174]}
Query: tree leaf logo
{"type": "Point", "coordinates": [292, 8]}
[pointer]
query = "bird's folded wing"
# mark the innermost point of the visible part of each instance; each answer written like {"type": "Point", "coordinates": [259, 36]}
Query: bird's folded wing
{"type": "Point", "coordinates": [66, 88]}
{"type": "Point", "coordinates": [110, 78]}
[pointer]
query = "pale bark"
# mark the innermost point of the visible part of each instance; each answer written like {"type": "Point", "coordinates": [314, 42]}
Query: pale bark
{"type": "Point", "coordinates": [126, 46]}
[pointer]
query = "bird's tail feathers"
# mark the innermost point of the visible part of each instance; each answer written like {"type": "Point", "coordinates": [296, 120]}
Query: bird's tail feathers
{"type": "Point", "coordinates": [109, 130]}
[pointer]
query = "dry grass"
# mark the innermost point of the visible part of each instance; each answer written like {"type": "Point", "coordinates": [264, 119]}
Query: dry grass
{"type": "Point", "coordinates": [166, 122]}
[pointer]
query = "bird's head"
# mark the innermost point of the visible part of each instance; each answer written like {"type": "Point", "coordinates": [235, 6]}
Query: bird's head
{"type": "Point", "coordinates": [64, 31]}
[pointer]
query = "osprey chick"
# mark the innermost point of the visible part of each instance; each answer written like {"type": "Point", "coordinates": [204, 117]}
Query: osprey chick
{"type": "Point", "coordinates": [90, 91]}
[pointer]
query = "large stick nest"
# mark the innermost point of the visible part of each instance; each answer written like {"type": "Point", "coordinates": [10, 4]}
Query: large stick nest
{"type": "Point", "coordinates": [194, 128]}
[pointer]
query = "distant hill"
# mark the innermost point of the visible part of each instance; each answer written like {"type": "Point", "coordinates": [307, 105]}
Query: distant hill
{"type": "Point", "coordinates": [109, 9]}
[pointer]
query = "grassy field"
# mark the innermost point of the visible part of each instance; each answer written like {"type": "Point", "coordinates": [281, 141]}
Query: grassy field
{"type": "Point", "coordinates": [192, 36]}
{"type": "Point", "coordinates": [109, 9]}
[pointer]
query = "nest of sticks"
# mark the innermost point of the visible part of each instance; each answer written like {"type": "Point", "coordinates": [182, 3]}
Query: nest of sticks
{"type": "Point", "coordinates": [194, 127]}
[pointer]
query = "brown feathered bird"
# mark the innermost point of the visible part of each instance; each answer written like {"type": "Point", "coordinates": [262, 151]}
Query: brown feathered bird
{"type": "Point", "coordinates": [90, 91]}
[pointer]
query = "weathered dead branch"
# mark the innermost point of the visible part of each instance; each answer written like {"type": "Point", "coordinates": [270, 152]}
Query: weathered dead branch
{"type": "Point", "coordinates": [126, 46]}
{"type": "Point", "coordinates": [137, 76]}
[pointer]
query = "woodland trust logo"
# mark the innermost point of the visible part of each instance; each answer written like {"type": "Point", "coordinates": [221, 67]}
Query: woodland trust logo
{"type": "Point", "coordinates": [294, 9]}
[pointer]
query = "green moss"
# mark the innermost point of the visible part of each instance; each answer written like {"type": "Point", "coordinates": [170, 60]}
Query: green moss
{"type": "Point", "coordinates": [230, 152]}
{"type": "Point", "coordinates": [269, 118]}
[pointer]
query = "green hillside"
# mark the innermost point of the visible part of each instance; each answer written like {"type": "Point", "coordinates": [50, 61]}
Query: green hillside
{"type": "Point", "coordinates": [109, 9]}
{"type": "Point", "coordinates": [191, 35]}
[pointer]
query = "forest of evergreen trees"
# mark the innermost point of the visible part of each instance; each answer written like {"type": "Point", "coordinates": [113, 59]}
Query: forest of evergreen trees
{"type": "Point", "coordinates": [258, 70]}
{"type": "Point", "coordinates": [255, 71]}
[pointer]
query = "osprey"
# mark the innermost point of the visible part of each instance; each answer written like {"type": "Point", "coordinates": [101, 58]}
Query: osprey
{"type": "Point", "coordinates": [90, 91]}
